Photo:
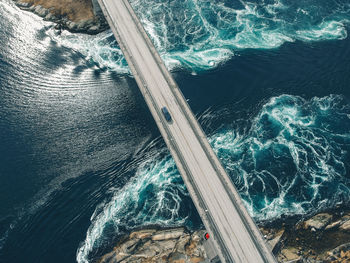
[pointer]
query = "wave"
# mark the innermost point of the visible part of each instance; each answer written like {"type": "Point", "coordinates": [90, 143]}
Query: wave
{"type": "Point", "coordinates": [156, 195]}
{"type": "Point", "coordinates": [200, 35]}
{"type": "Point", "coordinates": [290, 160]}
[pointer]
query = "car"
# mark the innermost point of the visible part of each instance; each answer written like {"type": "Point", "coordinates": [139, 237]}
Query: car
{"type": "Point", "coordinates": [166, 114]}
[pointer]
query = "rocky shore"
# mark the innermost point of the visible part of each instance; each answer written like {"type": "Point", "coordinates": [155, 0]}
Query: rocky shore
{"type": "Point", "coordinates": [175, 245]}
{"type": "Point", "coordinates": [79, 16]}
{"type": "Point", "coordinates": [325, 237]}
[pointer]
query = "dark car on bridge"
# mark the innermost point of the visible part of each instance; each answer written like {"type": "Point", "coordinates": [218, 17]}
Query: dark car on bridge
{"type": "Point", "coordinates": [166, 114]}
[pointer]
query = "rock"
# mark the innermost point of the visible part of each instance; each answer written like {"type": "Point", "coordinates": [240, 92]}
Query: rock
{"type": "Point", "coordinates": [49, 17]}
{"type": "Point", "coordinates": [41, 11]}
{"type": "Point", "coordinates": [31, 8]}
{"type": "Point", "coordinates": [289, 254]}
{"type": "Point", "coordinates": [99, 14]}
{"type": "Point", "coordinates": [275, 241]}
{"type": "Point", "coordinates": [97, 9]}
{"type": "Point", "coordinates": [74, 16]}
{"type": "Point", "coordinates": [110, 258]}
{"type": "Point", "coordinates": [72, 26]}
{"type": "Point", "coordinates": [147, 253]}
{"type": "Point", "coordinates": [130, 245]}
{"type": "Point", "coordinates": [334, 225]}
{"type": "Point", "coordinates": [167, 244]}
{"type": "Point", "coordinates": [178, 257]}
{"type": "Point", "coordinates": [345, 226]}
{"type": "Point", "coordinates": [192, 248]}
{"type": "Point", "coordinates": [163, 246]}
{"type": "Point", "coordinates": [132, 260]}
{"type": "Point", "coordinates": [168, 234]}
{"type": "Point", "coordinates": [181, 244]}
{"type": "Point", "coordinates": [196, 259]}
{"type": "Point", "coordinates": [318, 221]}
{"type": "Point", "coordinates": [340, 254]}
{"type": "Point", "coordinates": [120, 256]}
{"type": "Point", "coordinates": [114, 257]}
{"type": "Point", "coordinates": [23, 5]}
{"type": "Point", "coordinates": [95, 29]}
{"type": "Point", "coordinates": [142, 234]}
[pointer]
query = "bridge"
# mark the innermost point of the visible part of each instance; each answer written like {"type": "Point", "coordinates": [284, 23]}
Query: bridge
{"type": "Point", "coordinates": [233, 233]}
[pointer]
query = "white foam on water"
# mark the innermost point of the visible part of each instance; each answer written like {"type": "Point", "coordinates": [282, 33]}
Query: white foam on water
{"type": "Point", "coordinates": [289, 162]}
{"type": "Point", "coordinates": [152, 197]}
{"type": "Point", "coordinates": [101, 49]}
{"type": "Point", "coordinates": [286, 163]}
{"type": "Point", "coordinates": [200, 35]}
{"type": "Point", "coordinates": [324, 31]}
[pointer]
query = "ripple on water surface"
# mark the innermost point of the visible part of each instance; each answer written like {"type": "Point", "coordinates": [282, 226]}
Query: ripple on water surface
{"type": "Point", "coordinates": [199, 35]}
{"type": "Point", "coordinates": [290, 160]}
{"type": "Point", "coordinates": [292, 156]}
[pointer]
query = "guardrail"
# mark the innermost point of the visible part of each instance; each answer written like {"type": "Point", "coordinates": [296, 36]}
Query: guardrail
{"type": "Point", "coordinates": [201, 206]}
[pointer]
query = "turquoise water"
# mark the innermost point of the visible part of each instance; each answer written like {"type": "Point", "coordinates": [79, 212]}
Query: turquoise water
{"type": "Point", "coordinates": [83, 163]}
{"type": "Point", "coordinates": [199, 35]}
{"type": "Point", "coordinates": [290, 159]}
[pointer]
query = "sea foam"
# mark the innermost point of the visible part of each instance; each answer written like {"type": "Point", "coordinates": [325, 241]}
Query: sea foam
{"type": "Point", "coordinates": [200, 35]}
{"type": "Point", "coordinates": [290, 160]}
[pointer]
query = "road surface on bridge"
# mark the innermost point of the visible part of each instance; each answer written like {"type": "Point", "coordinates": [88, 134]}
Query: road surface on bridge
{"type": "Point", "coordinates": [233, 232]}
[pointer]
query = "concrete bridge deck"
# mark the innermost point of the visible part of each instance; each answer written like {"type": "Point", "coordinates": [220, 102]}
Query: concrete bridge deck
{"type": "Point", "coordinates": [233, 233]}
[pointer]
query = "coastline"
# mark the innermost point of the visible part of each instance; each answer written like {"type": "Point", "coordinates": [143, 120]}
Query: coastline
{"type": "Point", "coordinates": [81, 16]}
{"type": "Point", "coordinates": [323, 237]}
{"type": "Point", "coordinates": [293, 245]}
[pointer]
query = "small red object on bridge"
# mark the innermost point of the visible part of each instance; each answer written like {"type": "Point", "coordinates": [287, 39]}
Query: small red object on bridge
{"type": "Point", "coordinates": [206, 236]}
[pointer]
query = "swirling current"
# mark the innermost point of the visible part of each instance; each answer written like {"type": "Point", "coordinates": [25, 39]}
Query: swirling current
{"type": "Point", "coordinates": [82, 162]}
{"type": "Point", "coordinates": [199, 35]}
{"type": "Point", "coordinates": [291, 159]}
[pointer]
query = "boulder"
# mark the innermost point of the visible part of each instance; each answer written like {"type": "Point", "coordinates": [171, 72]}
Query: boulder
{"type": "Point", "coordinates": [23, 4]}
{"type": "Point", "coordinates": [333, 225]}
{"type": "Point", "coordinates": [274, 242]}
{"type": "Point", "coordinates": [168, 234]}
{"type": "Point", "coordinates": [130, 245]}
{"type": "Point", "coordinates": [182, 243]}
{"type": "Point", "coordinates": [72, 26]}
{"type": "Point", "coordinates": [152, 246]}
{"type": "Point", "coordinates": [41, 11]}
{"type": "Point", "coordinates": [341, 252]}
{"type": "Point", "coordinates": [49, 17]}
{"type": "Point", "coordinates": [109, 258]}
{"type": "Point", "coordinates": [93, 29]}
{"type": "Point", "coordinates": [178, 258]}
{"type": "Point", "coordinates": [146, 253]}
{"type": "Point", "coordinates": [96, 8]}
{"type": "Point", "coordinates": [345, 226]}
{"type": "Point", "coordinates": [142, 234]}
{"type": "Point", "coordinates": [289, 254]}
{"type": "Point", "coordinates": [318, 221]}
{"type": "Point", "coordinates": [167, 245]}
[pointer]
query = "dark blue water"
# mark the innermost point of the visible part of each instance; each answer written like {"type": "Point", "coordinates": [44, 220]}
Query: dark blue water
{"type": "Point", "coordinates": [81, 159]}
